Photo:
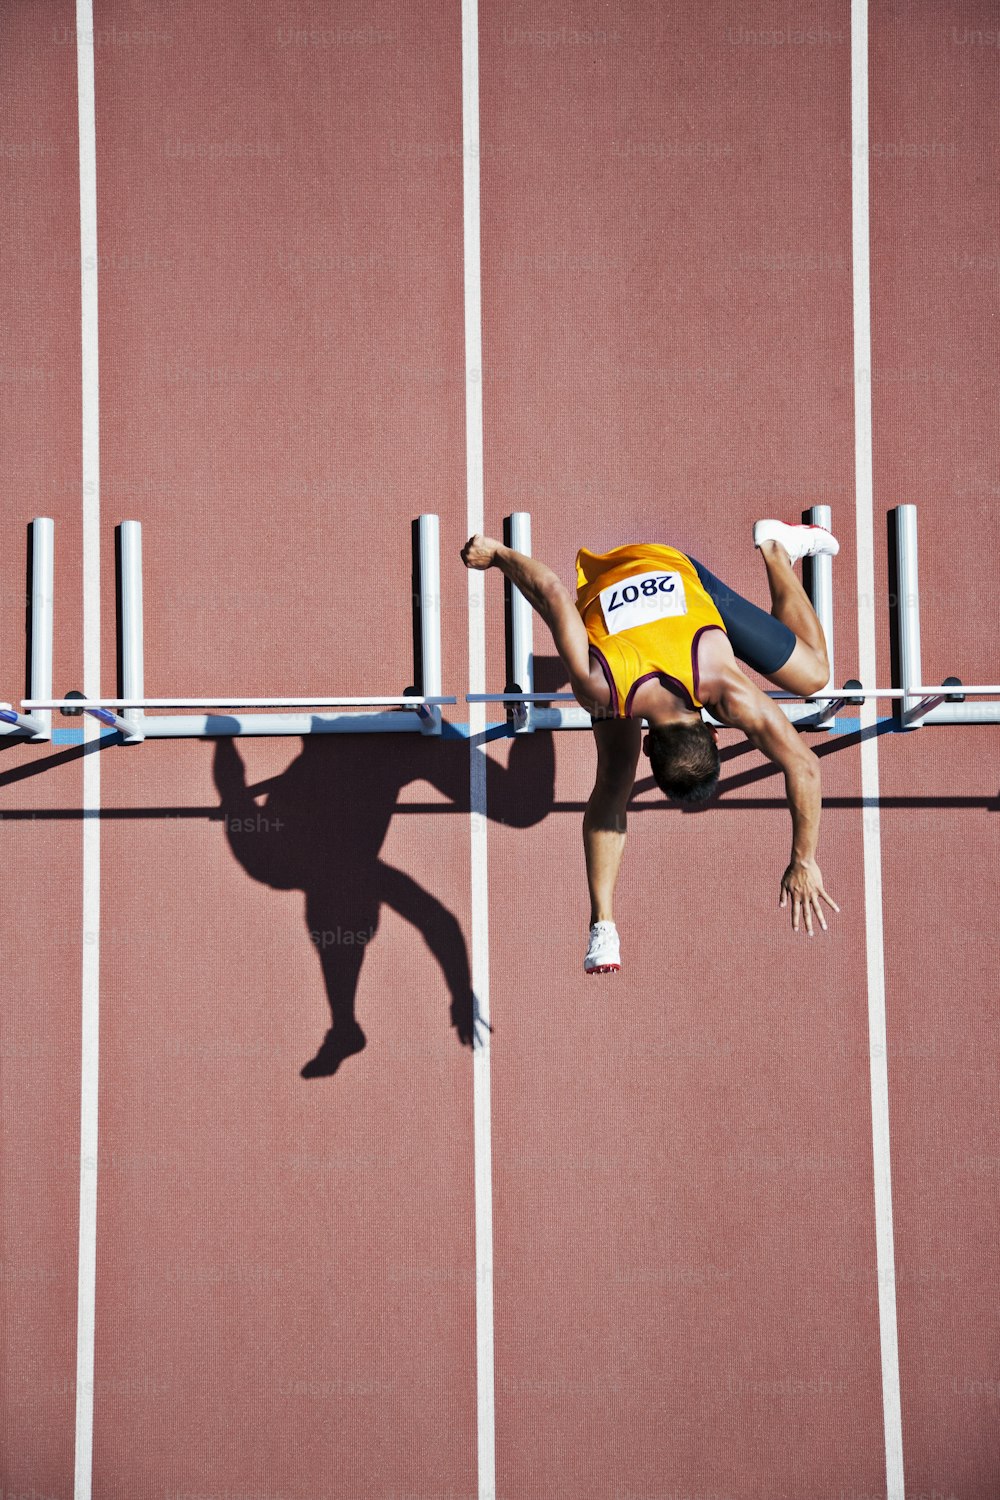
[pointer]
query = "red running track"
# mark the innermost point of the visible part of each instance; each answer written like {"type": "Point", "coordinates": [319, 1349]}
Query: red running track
{"type": "Point", "coordinates": [685, 1282]}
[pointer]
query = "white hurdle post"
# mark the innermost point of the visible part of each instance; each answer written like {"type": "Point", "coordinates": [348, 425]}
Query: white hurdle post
{"type": "Point", "coordinates": [42, 583]}
{"type": "Point", "coordinates": [37, 725]}
{"type": "Point", "coordinates": [908, 615]}
{"type": "Point", "coordinates": [133, 673]}
{"type": "Point", "coordinates": [429, 562]}
{"type": "Point", "coordinates": [521, 626]}
{"type": "Point", "coordinates": [822, 602]}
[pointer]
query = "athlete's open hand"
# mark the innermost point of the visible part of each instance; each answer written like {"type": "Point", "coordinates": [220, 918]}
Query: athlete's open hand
{"type": "Point", "coordinates": [804, 883]}
{"type": "Point", "coordinates": [479, 551]}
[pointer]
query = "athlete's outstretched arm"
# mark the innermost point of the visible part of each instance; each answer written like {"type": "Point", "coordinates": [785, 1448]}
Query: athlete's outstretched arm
{"type": "Point", "coordinates": [604, 822]}
{"type": "Point", "coordinates": [739, 703]}
{"type": "Point", "coordinates": [546, 593]}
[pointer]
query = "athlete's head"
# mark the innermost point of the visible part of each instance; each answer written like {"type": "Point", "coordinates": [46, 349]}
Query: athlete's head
{"type": "Point", "coordinates": [684, 761]}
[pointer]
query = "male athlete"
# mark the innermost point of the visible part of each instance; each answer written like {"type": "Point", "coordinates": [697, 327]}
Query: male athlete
{"type": "Point", "coordinates": [653, 635]}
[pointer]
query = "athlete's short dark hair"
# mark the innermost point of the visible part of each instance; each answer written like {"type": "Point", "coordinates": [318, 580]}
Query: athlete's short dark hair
{"type": "Point", "coordinates": [684, 760]}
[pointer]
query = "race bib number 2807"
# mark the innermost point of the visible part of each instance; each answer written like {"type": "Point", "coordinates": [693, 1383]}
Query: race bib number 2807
{"type": "Point", "coordinates": [641, 599]}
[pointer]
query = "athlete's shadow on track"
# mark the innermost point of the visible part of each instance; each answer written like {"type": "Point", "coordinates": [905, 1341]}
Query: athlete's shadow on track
{"type": "Point", "coordinates": [321, 828]}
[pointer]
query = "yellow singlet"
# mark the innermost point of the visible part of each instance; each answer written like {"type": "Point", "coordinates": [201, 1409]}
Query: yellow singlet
{"type": "Point", "coordinates": [645, 609]}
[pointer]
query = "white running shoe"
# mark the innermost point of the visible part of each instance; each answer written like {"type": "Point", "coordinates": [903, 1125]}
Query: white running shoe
{"type": "Point", "coordinates": [604, 950]}
{"type": "Point", "coordinates": [798, 541]}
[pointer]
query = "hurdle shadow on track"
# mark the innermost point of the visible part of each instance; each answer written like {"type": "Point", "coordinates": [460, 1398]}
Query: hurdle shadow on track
{"type": "Point", "coordinates": [321, 829]}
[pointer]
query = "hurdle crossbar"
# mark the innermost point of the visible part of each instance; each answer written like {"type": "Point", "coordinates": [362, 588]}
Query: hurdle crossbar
{"type": "Point", "coordinates": [847, 693]}
{"type": "Point", "coordinates": [88, 704]}
{"type": "Point", "coordinates": [830, 702]}
{"type": "Point", "coordinates": [208, 726]}
{"type": "Point", "coordinates": [824, 707]}
{"type": "Point", "coordinates": [37, 726]}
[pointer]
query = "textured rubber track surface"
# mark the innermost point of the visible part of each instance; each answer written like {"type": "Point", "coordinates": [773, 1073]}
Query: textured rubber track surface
{"type": "Point", "coordinates": [684, 1276]}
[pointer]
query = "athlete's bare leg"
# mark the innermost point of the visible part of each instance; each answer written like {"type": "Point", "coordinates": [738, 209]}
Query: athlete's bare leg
{"type": "Point", "coordinates": [618, 742]}
{"type": "Point", "coordinates": [807, 669]}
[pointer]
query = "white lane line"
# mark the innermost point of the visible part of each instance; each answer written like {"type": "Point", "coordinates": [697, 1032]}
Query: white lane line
{"type": "Point", "coordinates": [480, 936]}
{"type": "Point", "coordinates": [90, 968]}
{"type": "Point", "coordinates": [871, 817]}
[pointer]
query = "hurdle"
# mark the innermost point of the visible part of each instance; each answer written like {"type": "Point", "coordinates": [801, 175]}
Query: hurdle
{"type": "Point", "coordinates": [36, 725]}
{"type": "Point", "coordinates": [918, 705]}
{"type": "Point", "coordinates": [416, 710]}
{"type": "Point", "coordinates": [528, 710]}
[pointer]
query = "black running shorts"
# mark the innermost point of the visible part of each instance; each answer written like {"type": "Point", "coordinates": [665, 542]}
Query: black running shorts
{"type": "Point", "coordinates": [756, 637]}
